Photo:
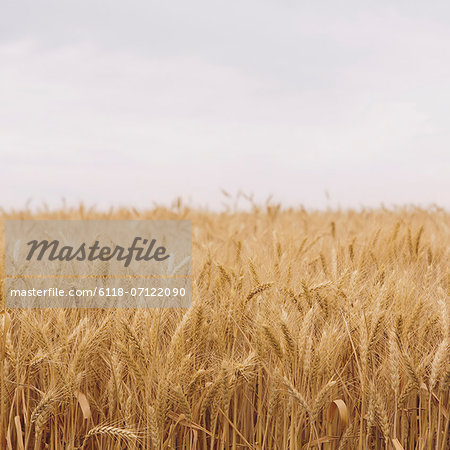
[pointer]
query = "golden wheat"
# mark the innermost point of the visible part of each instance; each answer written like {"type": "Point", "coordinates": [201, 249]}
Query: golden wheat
{"type": "Point", "coordinates": [325, 330]}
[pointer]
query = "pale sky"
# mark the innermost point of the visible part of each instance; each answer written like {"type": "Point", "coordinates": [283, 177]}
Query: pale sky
{"type": "Point", "coordinates": [130, 103]}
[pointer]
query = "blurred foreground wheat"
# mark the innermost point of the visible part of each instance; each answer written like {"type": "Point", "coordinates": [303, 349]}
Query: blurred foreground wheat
{"type": "Point", "coordinates": [308, 330]}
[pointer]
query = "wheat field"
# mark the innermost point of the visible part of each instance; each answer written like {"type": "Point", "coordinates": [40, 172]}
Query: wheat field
{"type": "Point", "coordinates": [308, 329]}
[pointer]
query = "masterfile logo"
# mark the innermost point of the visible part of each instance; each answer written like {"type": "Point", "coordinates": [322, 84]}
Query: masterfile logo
{"type": "Point", "coordinates": [84, 252]}
{"type": "Point", "coordinates": [94, 247]}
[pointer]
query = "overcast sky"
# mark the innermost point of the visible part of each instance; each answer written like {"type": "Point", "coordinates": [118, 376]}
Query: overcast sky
{"type": "Point", "coordinates": [130, 103]}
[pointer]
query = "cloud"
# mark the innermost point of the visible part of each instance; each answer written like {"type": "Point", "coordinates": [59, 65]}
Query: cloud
{"type": "Point", "coordinates": [289, 104]}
